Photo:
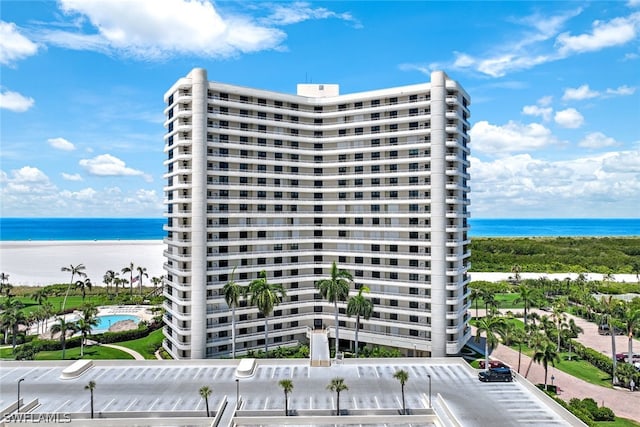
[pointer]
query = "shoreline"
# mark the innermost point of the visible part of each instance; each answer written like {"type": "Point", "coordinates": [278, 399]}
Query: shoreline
{"type": "Point", "coordinates": [39, 262]}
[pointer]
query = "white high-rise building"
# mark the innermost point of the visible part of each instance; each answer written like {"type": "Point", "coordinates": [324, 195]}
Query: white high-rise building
{"type": "Point", "coordinates": [376, 181]}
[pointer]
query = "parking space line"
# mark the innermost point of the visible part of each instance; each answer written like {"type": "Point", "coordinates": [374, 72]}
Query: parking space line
{"type": "Point", "coordinates": [61, 406]}
{"type": "Point", "coordinates": [108, 404]}
{"type": "Point", "coordinates": [131, 404]}
{"type": "Point", "coordinates": [176, 405]}
{"type": "Point", "coordinates": [310, 402]}
{"type": "Point", "coordinates": [153, 404]}
{"type": "Point", "coordinates": [266, 403]}
{"type": "Point", "coordinates": [355, 404]}
{"type": "Point", "coordinates": [103, 371]}
{"type": "Point", "coordinates": [377, 403]}
{"type": "Point", "coordinates": [159, 373]}
{"type": "Point", "coordinates": [197, 373]}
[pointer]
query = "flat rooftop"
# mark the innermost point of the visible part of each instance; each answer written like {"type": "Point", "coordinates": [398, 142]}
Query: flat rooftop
{"type": "Point", "coordinates": [160, 390]}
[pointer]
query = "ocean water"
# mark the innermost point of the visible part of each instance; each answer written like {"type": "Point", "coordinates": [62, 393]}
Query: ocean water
{"type": "Point", "coordinates": [21, 229]}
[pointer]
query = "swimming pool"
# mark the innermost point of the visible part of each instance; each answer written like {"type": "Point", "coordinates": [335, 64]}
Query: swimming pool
{"type": "Point", "coordinates": [105, 322]}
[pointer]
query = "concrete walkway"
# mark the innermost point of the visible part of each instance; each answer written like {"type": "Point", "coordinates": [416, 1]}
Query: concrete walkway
{"type": "Point", "coordinates": [622, 401]}
{"type": "Point", "coordinates": [134, 353]}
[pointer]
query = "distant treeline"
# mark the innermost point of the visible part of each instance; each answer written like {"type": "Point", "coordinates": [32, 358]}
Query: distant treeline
{"type": "Point", "coordinates": [615, 255]}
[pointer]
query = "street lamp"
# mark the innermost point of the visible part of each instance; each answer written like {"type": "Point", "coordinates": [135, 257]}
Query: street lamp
{"type": "Point", "coordinates": [237, 394]}
{"type": "Point", "coordinates": [19, 381]}
{"type": "Point", "coordinates": [552, 379]}
{"type": "Point", "coordinates": [429, 376]}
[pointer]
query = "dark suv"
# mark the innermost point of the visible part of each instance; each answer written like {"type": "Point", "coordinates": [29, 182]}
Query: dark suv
{"type": "Point", "coordinates": [496, 375]}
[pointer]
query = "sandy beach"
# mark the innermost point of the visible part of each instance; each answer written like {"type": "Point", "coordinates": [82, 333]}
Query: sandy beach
{"type": "Point", "coordinates": [39, 262]}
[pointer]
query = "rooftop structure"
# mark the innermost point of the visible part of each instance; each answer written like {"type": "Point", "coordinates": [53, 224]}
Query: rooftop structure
{"type": "Point", "coordinates": [376, 181]}
{"type": "Point", "coordinates": [439, 392]}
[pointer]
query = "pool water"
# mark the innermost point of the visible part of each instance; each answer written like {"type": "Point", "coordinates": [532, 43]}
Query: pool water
{"type": "Point", "coordinates": [105, 322]}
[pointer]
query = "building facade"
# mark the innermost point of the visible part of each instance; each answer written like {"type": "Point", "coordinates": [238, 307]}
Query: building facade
{"type": "Point", "coordinates": [376, 181]}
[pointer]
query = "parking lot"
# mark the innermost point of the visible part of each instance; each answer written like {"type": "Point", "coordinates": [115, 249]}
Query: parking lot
{"type": "Point", "coordinates": [152, 387]}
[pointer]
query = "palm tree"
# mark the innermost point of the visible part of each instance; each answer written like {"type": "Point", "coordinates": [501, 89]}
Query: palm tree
{"type": "Point", "coordinates": [631, 321]}
{"type": "Point", "coordinates": [5, 286]}
{"type": "Point", "coordinates": [359, 306]}
{"type": "Point", "coordinates": [572, 331]}
{"type": "Point", "coordinates": [537, 341]}
{"type": "Point", "coordinates": [475, 296]}
{"type": "Point", "coordinates": [403, 377]}
{"type": "Point", "coordinates": [489, 298]}
{"type": "Point", "coordinates": [232, 293]}
{"type": "Point", "coordinates": [545, 355]}
{"type": "Point", "coordinates": [11, 318]}
{"type": "Point", "coordinates": [334, 289]}
{"type": "Point", "coordinates": [142, 272]}
{"type": "Point", "coordinates": [85, 324]}
{"type": "Point", "coordinates": [337, 385]}
{"type": "Point", "coordinates": [287, 387]}
{"type": "Point", "coordinates": [265, 296]}
{"type": "Point", "coordinates": [63, 327]}
{"type": "Point", "coordinates": [91, 386]}
{"type": "Point", "coordinates": [40, 295]}
{"type": "Point", "coordinates": [560, 318]}
{"type": "Point", "coordinates": [516, 269]}
{"type": "Point", "coordinates": [119, 281]}
{"type": "Point", "coordinates": [156, 281]}
{"type": "Point", "coordinates": [609, 305]}
{"type": "Point", "coordinates": [130, 269]}
{"type": "Point", "coordinates": [205, 392]}
{"type": "Point", "coordinates": [490, 325]}
{"type": "Point", "coordinates": [83, 285]}
{"type": "Point", "coordinates": [109, 278]}
{"type": "Point", "coordinates": [75, 270]}
{"type": "Point", "coordinates": [528, 297]}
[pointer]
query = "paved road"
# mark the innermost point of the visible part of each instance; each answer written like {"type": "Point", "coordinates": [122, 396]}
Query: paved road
{"type": "Point", "coordinates": [621, 401]}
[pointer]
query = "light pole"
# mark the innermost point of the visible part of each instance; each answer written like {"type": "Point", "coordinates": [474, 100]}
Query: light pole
{"type": "Point", "coordinates": [429, 376]}
{"type": "Point", "coordinates": [19, 381]}
{"type": "Point", "coordinates": [237, 394]}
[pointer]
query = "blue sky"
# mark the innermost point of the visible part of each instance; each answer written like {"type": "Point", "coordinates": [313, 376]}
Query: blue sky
{"type": "Point", "coordinates": [555, 89]}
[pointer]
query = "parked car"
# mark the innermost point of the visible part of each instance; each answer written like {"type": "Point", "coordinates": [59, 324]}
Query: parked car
{"type": "Point", "coordinates": [623, 357]}
{"type": "Point", "coordinates": [493, 364]}
{"type": "Point", "coordinates": [496, 375]}
{"type": "Point", "coordinates": [604, 330]}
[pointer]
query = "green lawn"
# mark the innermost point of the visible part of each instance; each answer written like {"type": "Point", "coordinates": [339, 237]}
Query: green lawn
{"type": "Point", "coordinates": [147, 345]}
{"type": "Point", "coordinates": [93, 352]}
{"type": "Point", "coordinates": [6, 353]}
{"type": "Point", "coordinates": [619, 422]}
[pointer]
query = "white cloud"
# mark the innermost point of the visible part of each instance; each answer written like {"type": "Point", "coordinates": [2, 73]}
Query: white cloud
{"type": "Point", "coordinates": [24, 181]}
{"type": "Point", "coordinates": [108, 165]}
{"type": "Point", "coordinates": [13, 45]}
{"type": "Point", "coordinates": [71, 177]}
{"type": "Point", "coordinates": [582, 92]}
{"type": "Point", "coordinates": [84, 195]}
{"type": "Point", "coordinates": [622, 91]}
{"type": "Point", "coordinates": [61, 144]}
{"type": "Point", "coordinates": [510, 138]}
{"type": "Point", "coordinates": [13, 101]}
{"type": "Point", "coordinates": [585, 92]}
{"type": "Point", "coordinates": [597, 140]}
{"type": "Point", "coordinates": [293, 13]}
{"type": "Point", "coordinates": [616, 32]}
{"type": "Point", "coordinates": [545, 101]}
{"type": "Point", "coordinates": [534, 110]}
{"type": "Point", "coordinates": [569, 118]}
{"type": "Point", "coordinates": [29, 190]}
{"type": "Point", "coordinates": [143, 29]}
{"type": "Point", "coordinates": [533, 46]}
{"type": "Point", "coordinates": [524, 186]}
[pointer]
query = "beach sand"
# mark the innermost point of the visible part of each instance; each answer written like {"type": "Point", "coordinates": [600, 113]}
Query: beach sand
{"type": "Point", "coordinates": [39, 262]}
